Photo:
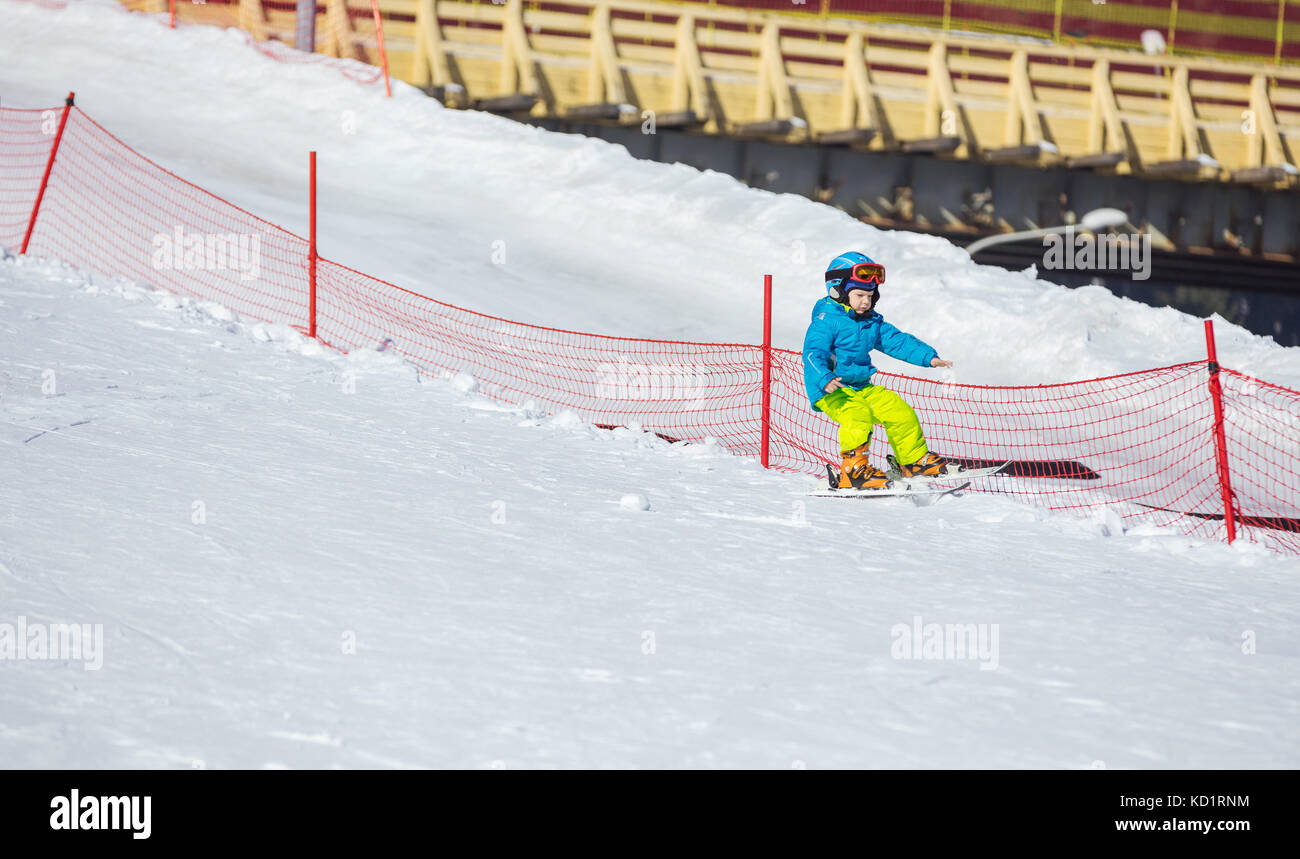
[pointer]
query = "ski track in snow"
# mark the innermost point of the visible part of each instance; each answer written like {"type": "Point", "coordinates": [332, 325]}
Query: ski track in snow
{"type": "Point", "coordinates": [502, 620]}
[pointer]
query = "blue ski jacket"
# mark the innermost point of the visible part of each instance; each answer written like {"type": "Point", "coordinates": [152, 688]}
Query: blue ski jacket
{"type": "Point", "coordinates": [839, 343]}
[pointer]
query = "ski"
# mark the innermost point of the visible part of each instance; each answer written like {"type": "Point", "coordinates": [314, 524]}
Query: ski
{"type": "Point", "coordinates": [967, 474]}
{"type": "Point", "coordinates": [919, 495]}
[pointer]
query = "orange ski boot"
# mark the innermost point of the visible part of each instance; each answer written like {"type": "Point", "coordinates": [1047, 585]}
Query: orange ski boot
{"type": "Point", "coordinates": [857, 472]}
{"type": "Point", "coordinates": [932, 465]}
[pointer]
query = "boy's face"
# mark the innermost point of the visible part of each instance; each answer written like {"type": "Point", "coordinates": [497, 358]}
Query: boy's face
{"type": "Point", "coordinates": [860, 300]}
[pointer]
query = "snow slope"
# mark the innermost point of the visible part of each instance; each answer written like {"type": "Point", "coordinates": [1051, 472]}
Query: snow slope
{"type": "Point", "coordinates": [532, 621]}
{"type": "Point", "coordinates": [593, 239]}
{"type": "Point", "coordinates": [311, 560]}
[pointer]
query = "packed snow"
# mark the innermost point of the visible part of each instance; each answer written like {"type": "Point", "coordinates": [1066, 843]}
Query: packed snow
{"type": "Point", "coordinates": [303, 559]}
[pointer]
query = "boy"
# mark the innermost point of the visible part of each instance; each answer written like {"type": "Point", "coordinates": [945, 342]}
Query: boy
{"type": "Point", "coordinates": [837, 372]}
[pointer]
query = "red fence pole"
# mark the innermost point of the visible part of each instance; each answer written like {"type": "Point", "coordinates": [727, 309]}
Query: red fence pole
{"type": "Point", "coordinates": [311, 255]}
{"type": "Point", "coordinates": [171, 5]}
{"type": "Point", "coordinates": [45, 177]}
{"type": "Point", "coordinates": [767, 370]}
{"type": "Point", "coordinates": [1220, 441]}
{"type": "Point", "coordinates": [383, 54]}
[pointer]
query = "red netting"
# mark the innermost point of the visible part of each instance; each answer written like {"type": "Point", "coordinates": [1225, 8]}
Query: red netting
{"type": "Point", "coordinates": [25, 138]}
{"type": "Point", "coordinates": [1262, 428]}
{"type": "Point", "coordinates": [1141, 443]}
{"type": "Point", "coordinates": [110, 209]}
{"type": "Point", "coordinates": [686, 391]}
{"type": "Point", "coordinates": [355, 69]}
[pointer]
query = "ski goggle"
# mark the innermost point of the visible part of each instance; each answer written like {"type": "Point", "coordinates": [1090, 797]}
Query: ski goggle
{"type": "Point", "coordinates": [864, 272]}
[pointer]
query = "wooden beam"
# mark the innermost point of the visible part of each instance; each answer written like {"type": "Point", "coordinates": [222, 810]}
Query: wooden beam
{"type": "Point", "coordinates": [1255, 144]}
{"type": "Point", "coordinates": [1023, 153]}
{"type": "Point", "coordinates": [429, 66]}
{"type": "Point", "coordinates": [518, 69]}
{"type": "Point", "coordinates": [1108, 160]}
{"type": "Point", "coordinates": [774, 101]}
{"type": "Point", "coordinates": [252, 19]}
{"type": "Point", "coordinates": [1184, 140]}
{"type": "Point", "coordinates": [860, 119]}
{"type": "Point", "coordinates": [511, 103]}
{"type": "Point", "coordinates": [679, 119]}
{"type": "Point", "coordinates": [847, 137]}
{"type": "Point", "coordinates": [690, 92]}
{"type": "Point", "coordinates": [1186, 168]}
{"type": "Point", "coordinates": [1023, 124]}
{"type": "Point", "coordinates": [340, 38]}
{"type": "Point", "coordinates": [605, 76]}
{"type": "Point", "coordinates": [941, 98]}
{"type": "Point", "coordinates": [856, 108]}
{"type": "Point", "coordinates": [1105, 122]}
{"type": "Point", "coordinates": [944, 144]}
{"type": "Point", "coordinates": [1186, 158]}
{"type": "Point", "coordinates": [602, 111]}
{"type": "Point", "coordinates": [1264, 147]}
{"type": "Point", "coordinates": [1268, 176]}
{"type": "Point", "coordinates": [763, 128]}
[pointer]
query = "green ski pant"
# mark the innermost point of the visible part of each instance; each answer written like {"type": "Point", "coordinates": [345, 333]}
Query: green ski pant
{"type": "Point", "coordinates": [858, 411]}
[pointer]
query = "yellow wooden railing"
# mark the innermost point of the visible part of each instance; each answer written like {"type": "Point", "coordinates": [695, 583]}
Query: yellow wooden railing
{"type": "Point", "coordinates": [835, 81]}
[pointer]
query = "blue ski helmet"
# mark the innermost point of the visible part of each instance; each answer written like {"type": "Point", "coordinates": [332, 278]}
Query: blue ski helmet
{"type": "Point", "coordinates": [853, 270]}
